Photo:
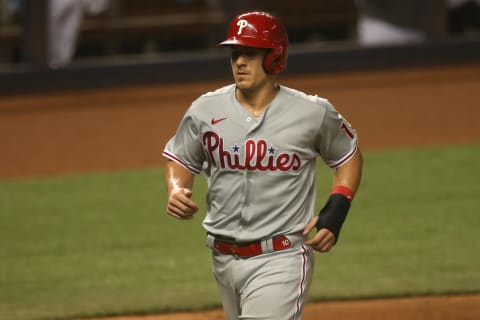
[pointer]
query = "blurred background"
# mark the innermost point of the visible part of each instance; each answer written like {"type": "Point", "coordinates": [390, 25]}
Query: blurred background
{"type": "Point", "coordinates": [91, 91]}
{"type": "Point", "coordinates": [60, 33]}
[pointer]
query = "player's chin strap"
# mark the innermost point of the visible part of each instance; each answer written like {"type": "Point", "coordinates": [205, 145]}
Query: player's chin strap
{"type": "Point", "coordinates": [335, 210]}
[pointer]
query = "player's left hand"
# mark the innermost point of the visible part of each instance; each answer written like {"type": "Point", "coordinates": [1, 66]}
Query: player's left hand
{"type": "Point", "coordinates": [322, 241]}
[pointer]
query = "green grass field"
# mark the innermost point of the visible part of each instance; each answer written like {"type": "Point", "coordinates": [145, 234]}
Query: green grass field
{"type": "Point", "coordinates": [101, 244]}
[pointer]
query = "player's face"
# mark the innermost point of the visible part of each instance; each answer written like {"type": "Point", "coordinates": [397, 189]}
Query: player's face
{"type": "Point", "coordinates": [247, 67]}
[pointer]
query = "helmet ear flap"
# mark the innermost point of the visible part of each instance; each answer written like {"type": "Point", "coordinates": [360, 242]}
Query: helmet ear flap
{"type": "Point", "coordinates": [275, 60]}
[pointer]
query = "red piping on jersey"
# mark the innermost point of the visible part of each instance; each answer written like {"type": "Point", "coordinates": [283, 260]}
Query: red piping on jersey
{"type": "Point", "coordinates": [302, 283]}
{"type": "Point", "coordinates": [346, 158]}
{"type": "Point", "coordinates": [180, 162]}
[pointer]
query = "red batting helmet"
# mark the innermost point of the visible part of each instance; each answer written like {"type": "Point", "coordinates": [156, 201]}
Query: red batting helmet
{"type": "Point", "coordinates": [261, 30]}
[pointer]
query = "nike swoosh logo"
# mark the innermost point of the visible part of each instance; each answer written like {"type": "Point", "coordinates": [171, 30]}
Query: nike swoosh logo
{"type": "Point", "coordinates": [215, 121]}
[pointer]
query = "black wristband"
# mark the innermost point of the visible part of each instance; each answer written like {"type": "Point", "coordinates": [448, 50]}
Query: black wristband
{"type": "Point", "coordinates": [334, 214]}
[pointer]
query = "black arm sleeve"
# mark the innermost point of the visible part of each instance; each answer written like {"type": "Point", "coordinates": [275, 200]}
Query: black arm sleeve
{"type": "Point", "coordinates": [334, 214]}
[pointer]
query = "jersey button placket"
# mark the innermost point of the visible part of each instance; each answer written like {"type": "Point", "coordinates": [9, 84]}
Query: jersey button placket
{"type": "Point", "coordinates": [245, 203]}
{"type": "Point", "coordinates": [249, 196]}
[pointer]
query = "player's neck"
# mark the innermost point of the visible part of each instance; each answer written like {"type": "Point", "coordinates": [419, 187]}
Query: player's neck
{"type": "Point", "coordinates": [256, 101]}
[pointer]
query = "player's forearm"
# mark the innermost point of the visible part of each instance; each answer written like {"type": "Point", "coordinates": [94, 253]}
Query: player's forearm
{"type": "Point", "coordinates": [345, 184]}
{"type": "Point", "coordinates": [350, 174]}
{"type": "Point", "coordinates": [177, 176]}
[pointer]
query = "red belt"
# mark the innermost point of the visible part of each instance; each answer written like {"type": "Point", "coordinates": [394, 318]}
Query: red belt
{"type": "Point", "coordinates": [251, 249]}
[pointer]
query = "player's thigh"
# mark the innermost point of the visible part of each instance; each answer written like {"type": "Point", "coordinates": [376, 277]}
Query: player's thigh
{"type": "Point", "coordinates": [227, 272]}
{"type": "Point", "coordinates": [278, 289]}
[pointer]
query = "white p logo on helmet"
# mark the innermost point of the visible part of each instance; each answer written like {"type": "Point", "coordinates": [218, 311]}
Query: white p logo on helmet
{"type": "Point", "coordinates": [241, 24]}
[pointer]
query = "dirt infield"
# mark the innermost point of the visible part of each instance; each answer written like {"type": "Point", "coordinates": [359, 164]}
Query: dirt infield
{"type": "Point", "coordinates": [419, 308]}
{"type": "Point", "coordinates": [117, 129]}
{"type": "Point", "coordinates": [127, 128]}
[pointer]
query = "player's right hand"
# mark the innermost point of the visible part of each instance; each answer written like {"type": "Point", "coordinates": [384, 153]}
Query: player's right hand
{"type": "Point", "coordinates": [180, 205]}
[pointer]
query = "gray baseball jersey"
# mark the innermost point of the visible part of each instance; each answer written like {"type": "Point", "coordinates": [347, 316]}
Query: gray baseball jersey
{"type": "Point", "coordinates": [260, 171]}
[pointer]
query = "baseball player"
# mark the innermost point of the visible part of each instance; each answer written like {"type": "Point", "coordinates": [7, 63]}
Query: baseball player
{"type": "Point", "coordinates": [257, 143]}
